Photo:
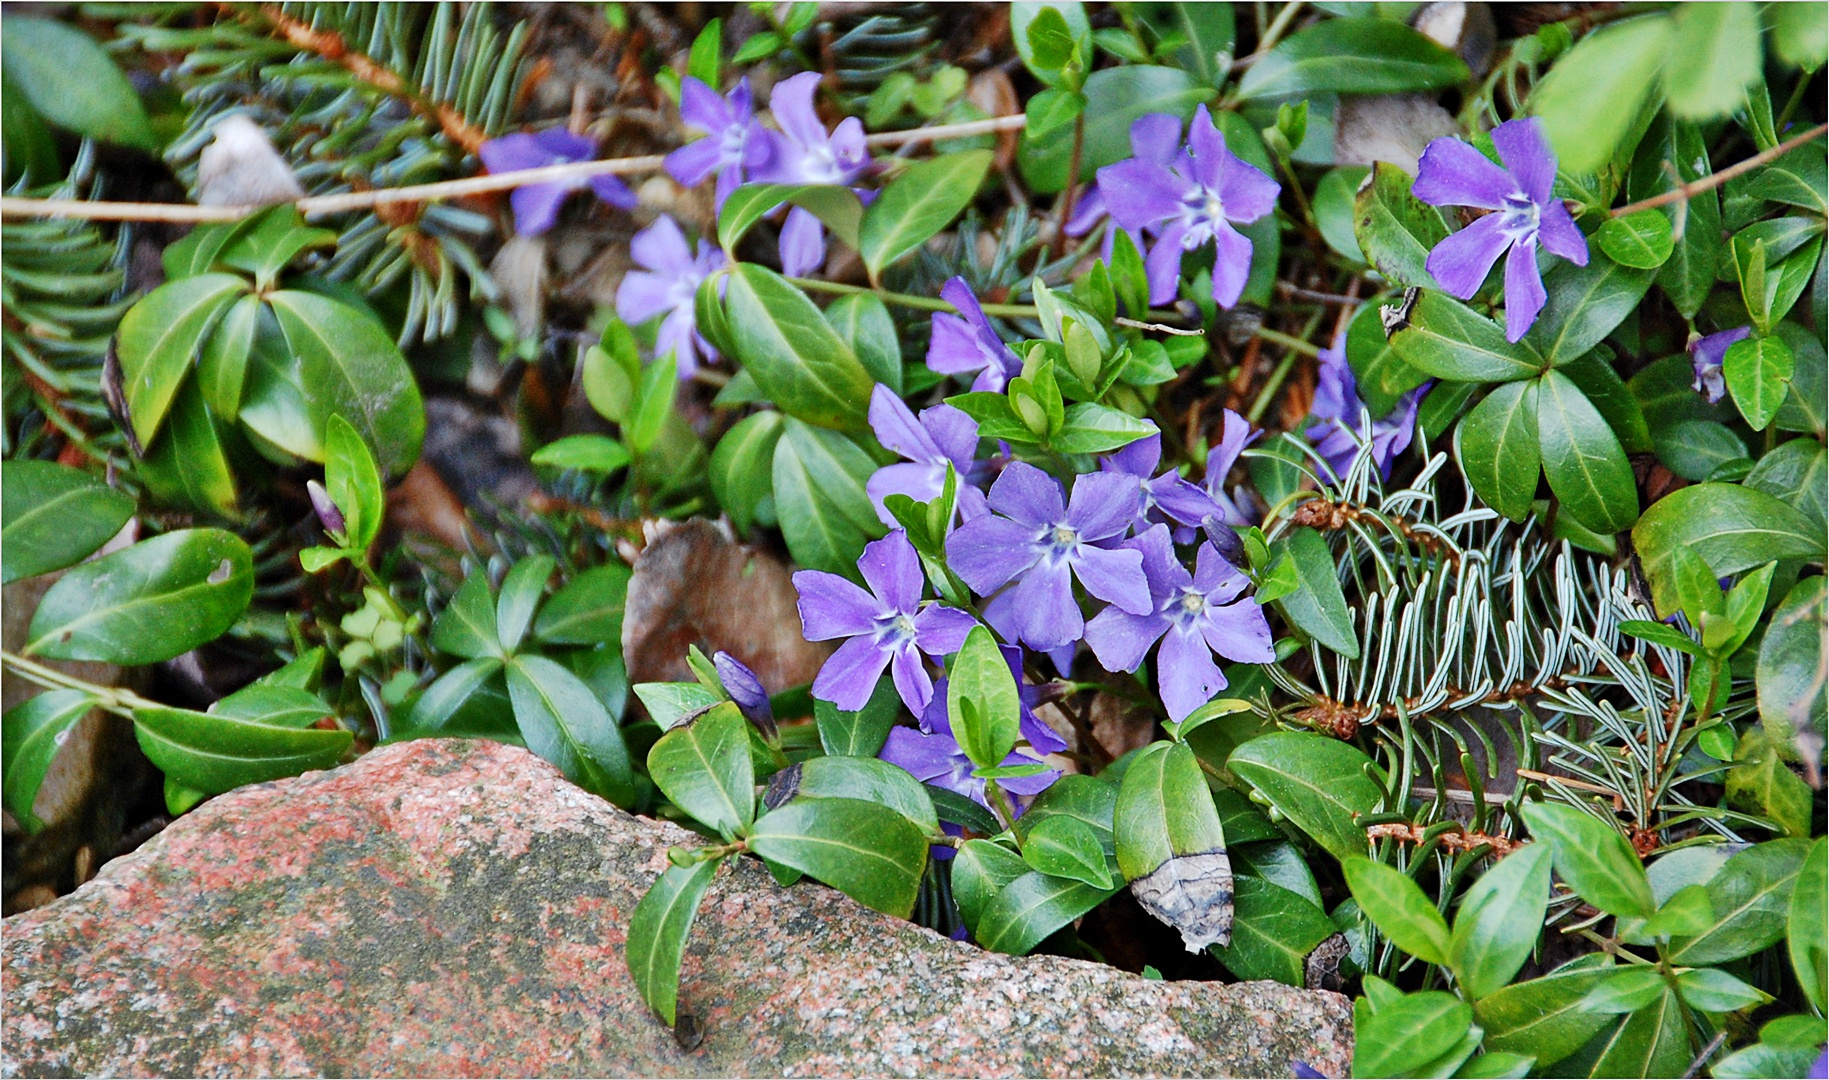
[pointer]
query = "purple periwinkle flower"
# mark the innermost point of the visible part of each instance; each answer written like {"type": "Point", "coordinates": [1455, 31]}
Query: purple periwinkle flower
{"type": "Point", "coordinates": [536, 206]}
{"type": "Point", "coordinates": [1196, 197]}
{"type": "Point", "coordinates": [1157, 138]}
{"type": "Point", "coordinates": [1235, 433]}
{"type": "Point", "coordinates": [1193, 615]}
{"type": "Point", "coordinates": [933, 756]}
{"type": "Point", "coordinates": [1453, 173]}
{"type": "Point", "coordinates": [966, 343]}
{"type": "Point", "coordinates": [731, 141]}
{"type": "Point", "coordinates": [669, 282]}
{"type": "Point", "coordinates": [886, 627]}
{"type": "Point", "coordinates": [1337, 411]}
{"type": "Point", "coordinates": [802, 152]}
{"type": "Point", "coordinates": [746, 690]}
{"type": "Point", "coordinates": [1046, 541]}
{"type": "Point", "coordinates": [942, 436]}
{"type": "Point", "coordinates": [1166, 497]}
{"type": "Point", "coordinates": [1706, 355]}
{"type": "Point", "coordinates": [326, 508]}
{"type": "Point", "coordinates": [1819, 1070]}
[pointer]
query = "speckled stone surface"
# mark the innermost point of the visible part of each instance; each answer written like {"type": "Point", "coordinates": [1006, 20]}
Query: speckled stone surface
{"type": "Point", "coordinates": [452, 908]}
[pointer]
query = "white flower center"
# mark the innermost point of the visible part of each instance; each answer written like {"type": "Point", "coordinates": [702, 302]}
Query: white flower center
{"type": "Point", "coordinates": [1519, 218]}
{"type": "Point", "coordinates": [1187, 606]}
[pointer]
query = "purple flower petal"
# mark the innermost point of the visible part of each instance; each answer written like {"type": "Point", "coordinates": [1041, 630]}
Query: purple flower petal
{"type": "Point", "coordinates": [941, 630]}
{"type": "Point", "coordinates": [1046, 613]}
{"type": "Point", "coordinates": [928, 758]}
{"type": "Point", "coordinates": [612, 190]}
{"type": "Point", "coordinates": [1140, 193]}
{"type": "Point", "coordinates": [953, 432]}
{"type": "Point", "coordinates": [1524, 293]}
{"type": "Point", "coordinates": [1114, 575]}
{"type": "Point", "coordinates": [832, 607]}
{"type": "Point", "coordinates": [703, 108]}
{"type": "Point", "coordinates": [643, 295]}
{"type": "Point", "coordinates": [897, 429]}
{"type": "Point", "coordinates": [1162, 266]}
{"type": "Point", "coordinates": [792, 104]}
{"type": "Point", "coordinates": [1156, 138]}
{"type": "Point", "coordinates": [1239, 632]}
{"type": "Point", "coordinates": [559, 145]}
{"type": "Point", "coordinates": [1138, 459]}
{"type": "Point", "coordinates": [893, 571]}
{"type": "Point", "coordinates": [920, 482]}
{"type": "Point", "coordinates": [1452, 173]}
{"type": "Point", "coordinates": [987, 551]}
{"type": "Point", "coordinates": [850, 674]}
{"type": "Point", "coordinates": [1460, 263]}
{"type": "Point", "coordinates": [1208, 147]}
{"type": "Point", "coordinates": [1104, 505]}
{"type": "Point", "coordinates": [1119, 639]}
{"type": "Point", "coordinates": [693, 163]}
{"type": "Point", "coordinates": [662, 247]}
{"type": "Point", "coordinates": [1527, 156]}
{"type": "Point", "coordinates": [1215, 578]}
{"type": "Point", "coordinates": [803, 244]}
{"type": "Point", "coordinates": [1245, 192]}
{"type": "Point", "coordinates": [1186, 673]}
{"type": "Point", "coordinates": [742, 685]}
{"type": "Point", "coordinates": [1557, 233]}
{"type": "Point", "coordinates": [1231, 264]}
{"type": "Point", "coordinates": [512, 153]}
{"type": "Point", "coordinates": [1029, 495]}
{"type": "Point", "coordinates": [912, 682]}
{"type": "Point", "coordinates": [536, 207]}
{"type": "Point", "coordinates": [1706, 357]}
{"type": "Point", "coordinates": [1088, 211]}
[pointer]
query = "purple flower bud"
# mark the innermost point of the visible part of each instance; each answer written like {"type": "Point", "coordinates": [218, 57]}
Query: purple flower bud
{"type": "Point", "coordinates": [328, 514]}
{"type": "Point", "coordinates": [747, 691]}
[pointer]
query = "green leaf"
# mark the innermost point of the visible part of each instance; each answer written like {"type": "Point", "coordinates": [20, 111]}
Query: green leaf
{"type": "Point", "coordinates": [1362, 55]}
{"type": "Point", "coordinates": [742, 470]}
{"type": "Point", "coordinates": [672, 703]}
{"type": "Point", "coordinates": [1584, 305]}
{"type": "Point", "coordinates": [657, 933]}
{"type": "Point", "coordinates": [588, 610]}
{"type": "Point", "coordinates": [1066, 847]}
{"type": "Point", "coordinates": [52, 516]}
{"type": "Point", "coordinates": [1795, 473]}
{"type": "Point", "coordinates": [825, 514]}
{"type": "Point", "coordinates": [1402, 1037]}
{"type": "Point", "coordinates": [1030, 908]}
{"type": "Point", "coordinates": [563, 722]}
{"type": "Point", "coordinates": [1383, 379]}
{"type": "Point", "coordinates": [1593, 373]}
{"type": "Point", "coordinates": [1091, 801]}
{"type": "Point", "coordinates": [153, 601]}
{"type": "Point", "coordinates": [1450, 340]}
{"type": "Point", "coordinates": [1642, 240]}
{"type": "Point", "coordinates": [1689, 275]}
{"type": "Point", "coordinates": [1652, 1041]}
{"type": "Point", "coordinates": [1068, 19]}
{"type": "Point", "coordinates": [1273, 931]}
{"type": "Point", "coordinates": [1335, 210]}
{"type": "Point", "coordinates": [653, 400]}
{"type": "Point", "coordinates": [1713, 59]}
{"type": "Point", "coordinates": [704, 768]}
{"type": "Point", "coordinates": [1116, 97]}
{"type": "Point", "coordinates": [1804, 408]}
{"type": "Point", "coordinates": [1715, 991]}
{"type": "Point", "coordinates": [1761, 783]}
{"type": "Point", "coordinates": [1798, 36]}
{"type": "Point", "coordinates": [1758, 373]}
{"type": "Point", "coordinates": [918, 204]}
{"type": "Point", "coordinates": [1544, 1016]}
{"type": "Point", "coordinates": [1593, 858]}
{"type": "Point", "coordinates": [466, 627]}
{"type": "Point", "coordinates": [1318, 608]}
{"type": "Point", "coordinates": [1496, 444]}
{"type": "Point", "coordinates": [1497, 1064]}
{"type": "Point", "coordinates": [188, 464]}
{"type": "Point", "coordinates": [1499, 921]}
{"type": "Point", "coordinates": [1764, 1060]}
{"type": "Point", "coordinates": [439, 709]}
{"type": "Point", "coordinates": [268, 242]}
{"type": "Point", "coordinates": [869, 852]}
{"type": "Point", "coordinates": [1789, 670]}
{"type": "Point", "coordinates": [30, 735]}
{"type": "Point", "coordinates": [797, 359]}
{"type": "Point", "coordinates": [1205, 33]}
{"type": "Point", "coordinates": [1090, 428]}
{"type": "Point", "coordinates": [214, 753]}
{"type": "Point", "coordinates": [1626, 989]}
{"type": "Point", "coordinates": [222, 366]}
{"type": "Point", "coordinates": [864, 322]}
{"type": "Point", "coordinates": [1694, 449]}
{"type": "Point", "coordinates": [1586, 466]}
{"type": "Point", "coordinates": [1661, 634]}
{"type": "Point", "coordinates": [159, 340]}
{"type": "Point", "coordinates": [1163, 810]}
{"type": "Point", "coordinates": [869, 780]}
{"type": "Point", "coordinates": [1804, 920]}
{"type": "Point", "coordinates": [523, 587]}
{"type": "Point", "coordinates": [71, 81]}
{"type": "Point", "coordinates": [588, 453]}
{"type": "Point", "coordinates": [1395, 229]}
{"type": "Point", "coordinates": [982, 701]}
{"type": "Point", "coordinates": [1733, 528]}
{"type": "Point", "coordinates": [1398, 907]}
{"type": "Point", "coordinates": [351, 368]}
{"type": "Point", "coordinates": [1316, 782]}
{"type": "Point", "coordinates": [861, 733]}
{"type": "Point", "coordinates": [353, 481]}
{"type": "Point", "coordinates": [982, 870]}
{"type": "Point", "coordinates": [1591, 97]}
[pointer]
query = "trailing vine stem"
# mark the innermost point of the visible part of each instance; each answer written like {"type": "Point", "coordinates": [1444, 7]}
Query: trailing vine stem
{"type": "Point", "coordinates": [116, 699]}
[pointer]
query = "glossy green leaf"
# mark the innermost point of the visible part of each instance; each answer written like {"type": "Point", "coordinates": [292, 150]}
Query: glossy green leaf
{"type": "Point", "coordinates": [466, 627]}
{"type": "Point", "coordinates": [981, 870]}
{"type": "Point", "coordinates": [1593, 858]}
{"type": "Point", "coordinates": [742, 470]}
{"type": "Point", "coordinates": [653, 401]}
{"type": "Point", "coordinates": [30, 735]}
{"type": "Point", "coordinates": [222, 366]}
{"type": "Point", "coordinates": [1689, 275]}
{"type": "Point", "coordinates": [657, 933]}
{"type": "Point", "coordinates": [1025, 912]}
{"type": "Point", "coordinates": [438, 709]}
{"type": "Point", "coordinates": [1273, 931]}
{"type": "Point", "coordinates": [1652, 1041]}
{"type": "Point", "coordinates": [825, 514]}
{"type": "Point", "coordinates": [188, 464]}
{"type": "Point", "coordinates": [151, 602]}
{"type": "Point", "coordinates": [1398, 907]}
{"type": "Point", "coordinates": [160, 339]}
{"type": "Point", "coordinates": [1318, 608]}
{"type": "Point", "coordinates": [350, 367]}
{"type": "Point", "coordinates": [834, 205]}
{"type": "Point", "coordinates": [869, 852]}
{"type": "Point", "coordinates": [1761, 783]}
{"type": "Point", "coordinates": [1591, 97]}
{"type": "Point", "coordinates": [1789, 670]}
{"type": "Point", "coordinates": [588, 610]}
{"type": "Point", "coordinates": [1069, 21]}
{"type": "Point", "coordinates": [1396, 230]}
{"type": "Point", "coordinates": [1499, 920]}
{"type": "Point", "coordinates": [1733, 528]}
{"type": "Point", "coordinates": [1091, 428]}
{"type": "Point", "coordinates": [1092, 801]}
{"type": "Point", "coordinates": [1360, 55]}
{"type": "Point", "coordinates": [797, 359]}
{"type": "Point", "coordinates": [869, 780]}
{"type": "Point", "coordinates": [863, 321]}
{"type": "Point", "coordinates": [1804, 920]}
{"type": "Point", "coordinates": [52, 516]}
{"type": "Point", "coordinates": [1584, 305]}
{"type": "Point", "coordinates": [1383, 379]}
{"type": "Point", "coordinates": [588, 453]}
{"type": "Point", "coordinates": [1714, 58]}
{"type": "Point", "coordinates": [523, 587]}
{"type": "Point", "coordinates": [1163, 810]}
{"type": "Point", "coordinates": [1626, 989]}
{"type": "Point", "coordinates": [214, 754]}
{"type": "Point", "coordinates": [1066, 847]}
{"type": "Point", "coordinates": [268, 242]}
{"type": "Point", "coordinates": [1713, 990]}
{"type": "Point", "coordinates": [1316, 782]}
{"type": "Point", "coordinates": [672, 703]}
{"type": "Point", "coordinates": [70, 80]}
{"type": "Point", "coordinates": [1758, 373]}
{"type": "Point", "coordinates": [1544, 1016]}
{"type": "Point", "coordinates": [1797, 473]}
{"type": "Point", "coordinates": [353, 481]}
{"type": "Point", "coordinates": [563, 722]}
{"type": "Point", "coordinates": [918, 204]}
{"type": "Point", "coordinates": [1450, 340]}
{"type": "Point", "coordinates": [1642, 240]}
{"type": "Point", "coordinates": [861, 733]}
{"type": "Point", "coordinates": [1496, 444]}
{"type": "Point", "coordinates": [1402, 1037]}
{"type": "Point", "coordinates": [1586, 467]}
{"type": "Point", "coordinates": [1763, 1060]}
{"type": "Point", "coordinates": [1694, 449]}
{"type": "Point", "coordinates": [704, 768]}
{"type": "Point", "coordinates": [1116, 98]}
{"type": "Point", "coordinates": [981, 700]}
{"type": "Point", "coordinates": [1205, 33]}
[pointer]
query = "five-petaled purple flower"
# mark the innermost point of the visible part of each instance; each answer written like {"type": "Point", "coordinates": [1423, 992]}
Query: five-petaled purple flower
{"type": "Point", "coordinates": [932, 755]}
{"type": "Point", "coordinates": [1337, 411]}
{"type": "Point", "coordinates": [1235, 434]}
{"type": "Point", "coordinates": [964, 343]}
{"type": "Point", "coordinates": [536, 206]}
{"type": "Point", "coordinates": [1045, 541]}
{"type": "Point", "coordinates": [1159, 498]}
{"type": "Point", "coordinates": [1196, 197]}
{"type": "Point", "coordinates": [887, 626]}
{"type": "Point", "coordinates": [731, 143]}
{"type": "Point", "coordinates": [1193, 615]}
{"type": "Point", "coordinates": [802, 152]}
{"type": "Point", "coordinates": [1453, 173]}
{"type": "Point", "coordinates": [670, 283]}
{"type": "Point", "coordinates": [1155, 138]}
{"type": "Point", "coordinates": [1706, 355]}
{"type": "Point", "coordinates": [942, 436]}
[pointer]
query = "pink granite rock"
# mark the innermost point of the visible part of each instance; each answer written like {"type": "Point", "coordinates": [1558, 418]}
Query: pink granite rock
{"type": "Point", "coordinates": [453, 908]}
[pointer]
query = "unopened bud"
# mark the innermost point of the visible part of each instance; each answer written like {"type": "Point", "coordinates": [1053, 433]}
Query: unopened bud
{"type": "Point", "coordinates": [328, 514]}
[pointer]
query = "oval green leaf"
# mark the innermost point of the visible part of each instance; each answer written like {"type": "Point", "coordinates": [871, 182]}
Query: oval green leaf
{"type": "Point", "coordinates": [869, 852]}
{"type": "Point", "coordinates": [704, 768]}
{"type": "Point", "coordinates": [52, 516]}
{"type": "Point", "coordinates": [918, 204]}
{"type": "Point", "coordinates": [1582, 458]}
{"type": "Point", "coordinates": [563, 722]}
{"type": "Point", "coordinates": [798, 360]}
{"type": "Point", "coordinates": [214, 753]}
{"type": "Point", "coordinates": [657, 933]}
{"type": "Point", "coordinates": [1496, 444]}
{"type": "Point", "coordinates": [1317, 782]}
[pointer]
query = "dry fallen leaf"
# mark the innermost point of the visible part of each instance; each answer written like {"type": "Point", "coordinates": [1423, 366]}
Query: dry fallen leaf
{"type": "Point", "coordinates": [1193, 894]}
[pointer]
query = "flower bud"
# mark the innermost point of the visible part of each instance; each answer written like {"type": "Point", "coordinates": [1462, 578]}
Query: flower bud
{"type": "Point", "coordinates": [328, 514]}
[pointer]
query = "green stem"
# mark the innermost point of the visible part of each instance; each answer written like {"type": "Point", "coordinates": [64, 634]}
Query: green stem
{"type": "Point", "coordinates": [1287, 341]}
{"type": "Point", "coordinates": [113, 698]}
{"type": "Point", "coordinates": [1804, 79]}
{"type": "Point", "coordinates": [1001, 804]}
{"type": "Point", "coordinates": [1275, 32]}
{"type": "Point", "coordinates": [1294, 345]}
